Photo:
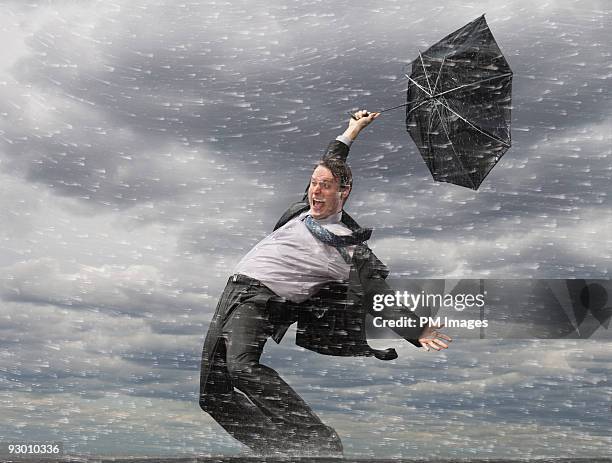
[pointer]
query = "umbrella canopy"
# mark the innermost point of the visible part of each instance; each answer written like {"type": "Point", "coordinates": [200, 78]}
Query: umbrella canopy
{"type": "Point", "coordinates": [458, 105]}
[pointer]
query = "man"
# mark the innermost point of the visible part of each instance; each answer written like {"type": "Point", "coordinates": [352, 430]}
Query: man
{"type": "Point", "coordinates": [316, 269]}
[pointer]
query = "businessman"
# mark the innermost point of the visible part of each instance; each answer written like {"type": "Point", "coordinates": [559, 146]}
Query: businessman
{"type": "Point", "coordinates": [315, 269]}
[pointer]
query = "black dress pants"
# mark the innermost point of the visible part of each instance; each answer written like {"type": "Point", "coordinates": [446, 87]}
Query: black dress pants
{"type": "Point", "coordinates": [250, 400]}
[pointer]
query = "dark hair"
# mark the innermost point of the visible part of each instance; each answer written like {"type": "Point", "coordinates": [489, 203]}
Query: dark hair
{"type": "Point", "coordinates": [339, 170]}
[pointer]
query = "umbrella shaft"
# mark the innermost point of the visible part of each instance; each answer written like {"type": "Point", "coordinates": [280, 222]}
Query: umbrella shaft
{"type": "Point", "coordinates": [394, 107]}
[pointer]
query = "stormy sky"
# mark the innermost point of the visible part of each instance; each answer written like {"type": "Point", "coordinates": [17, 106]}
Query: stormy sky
{"type": "Point", "coordinates": [145, 146]}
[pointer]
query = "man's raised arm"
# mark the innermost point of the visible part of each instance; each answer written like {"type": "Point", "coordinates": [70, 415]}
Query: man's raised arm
{"type": "Point", "coordinates": [339, 148]}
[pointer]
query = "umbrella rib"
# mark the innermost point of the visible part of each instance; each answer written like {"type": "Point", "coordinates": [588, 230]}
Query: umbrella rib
{"type": "Point", "coordinates": [430, 122]}
{"type": "Point", "coordinates": [447, 106]}
{"type": "Point", "coordinates": [417, 107]}
{"type": "Point", "coordinates": [418, 85]}
{"type": "Point", "coordinates": [457, 157]}
{"type": "Point", "coordinates": [425, 72]}
{"type": "Point", "coordinates": [473, 126]}
{"type": "Point", "coordinates": [473, 83]}
{"type": "Point", "coordinates": [439, 72]}
{"type": "Point", "coordinates": [429, 129]}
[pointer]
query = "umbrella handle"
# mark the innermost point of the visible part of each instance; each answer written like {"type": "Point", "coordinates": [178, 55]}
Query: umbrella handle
{"type": "Point", "coordinates": [353, 116]}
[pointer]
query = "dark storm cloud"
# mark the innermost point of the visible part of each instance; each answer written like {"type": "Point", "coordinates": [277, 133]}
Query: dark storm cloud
{"type": "Point", "coordinates": [269, 92]}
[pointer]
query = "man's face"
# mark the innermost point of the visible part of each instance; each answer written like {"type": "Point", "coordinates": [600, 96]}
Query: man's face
{"type": "Point", "coordinates": [324, 194]}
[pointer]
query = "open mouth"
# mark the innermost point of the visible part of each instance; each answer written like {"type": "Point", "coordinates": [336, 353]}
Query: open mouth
{"type": "Point", "coordinates": [317, 204]}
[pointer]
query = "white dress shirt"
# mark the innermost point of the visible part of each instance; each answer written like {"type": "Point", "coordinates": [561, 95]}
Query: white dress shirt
{"type": "Point", "coordinates": [293, 263]}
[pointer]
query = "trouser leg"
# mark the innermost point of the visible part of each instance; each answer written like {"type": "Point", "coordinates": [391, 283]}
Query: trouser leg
{"type": "Point", "coordinates": [295, 425]}
{"type": "Point", "coordinates": [267, 414]}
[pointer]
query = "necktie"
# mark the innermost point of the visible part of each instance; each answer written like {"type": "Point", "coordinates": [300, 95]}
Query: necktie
{"type": "Point", "coordinates": [337, 241]}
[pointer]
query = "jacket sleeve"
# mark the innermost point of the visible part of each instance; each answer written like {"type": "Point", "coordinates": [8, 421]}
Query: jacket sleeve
{"type": "Point", "coordinates": [336, 149]}
{"type": "Point", "coordinates": [372, 275]}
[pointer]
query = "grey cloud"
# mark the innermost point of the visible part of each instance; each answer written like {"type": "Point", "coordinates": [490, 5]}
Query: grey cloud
{"type": "Point", "coordinates": [459, 388]}
{"type": "Point", "coordinates": [138, 290]}
{"type": "Point", "coordinates": [250, 71]}
{"type": "Point", "coordinates": [91, 352]}
{"type": "Point", "coordinates": [462, 385]}
{"type": "Point", "coordinates": [536, 250]}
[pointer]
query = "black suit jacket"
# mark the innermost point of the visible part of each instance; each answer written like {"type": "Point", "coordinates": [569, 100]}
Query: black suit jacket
{"type": "Point", "coordinates": [333, 322]}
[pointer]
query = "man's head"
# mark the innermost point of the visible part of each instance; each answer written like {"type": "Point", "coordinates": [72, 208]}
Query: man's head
{"type": "Point", "coordinates": [330, 186]}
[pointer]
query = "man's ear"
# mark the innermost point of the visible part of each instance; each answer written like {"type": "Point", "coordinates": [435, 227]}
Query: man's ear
{"type": "Point", "coordinates": [345, 192]}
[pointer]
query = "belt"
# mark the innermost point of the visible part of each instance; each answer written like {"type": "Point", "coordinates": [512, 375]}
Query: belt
{"type": "Point", "coordinates": [245, 280]}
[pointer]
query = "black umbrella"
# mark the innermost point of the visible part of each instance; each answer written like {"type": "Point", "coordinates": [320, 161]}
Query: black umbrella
{"type": "Point", "coordinates": [458, 105]}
